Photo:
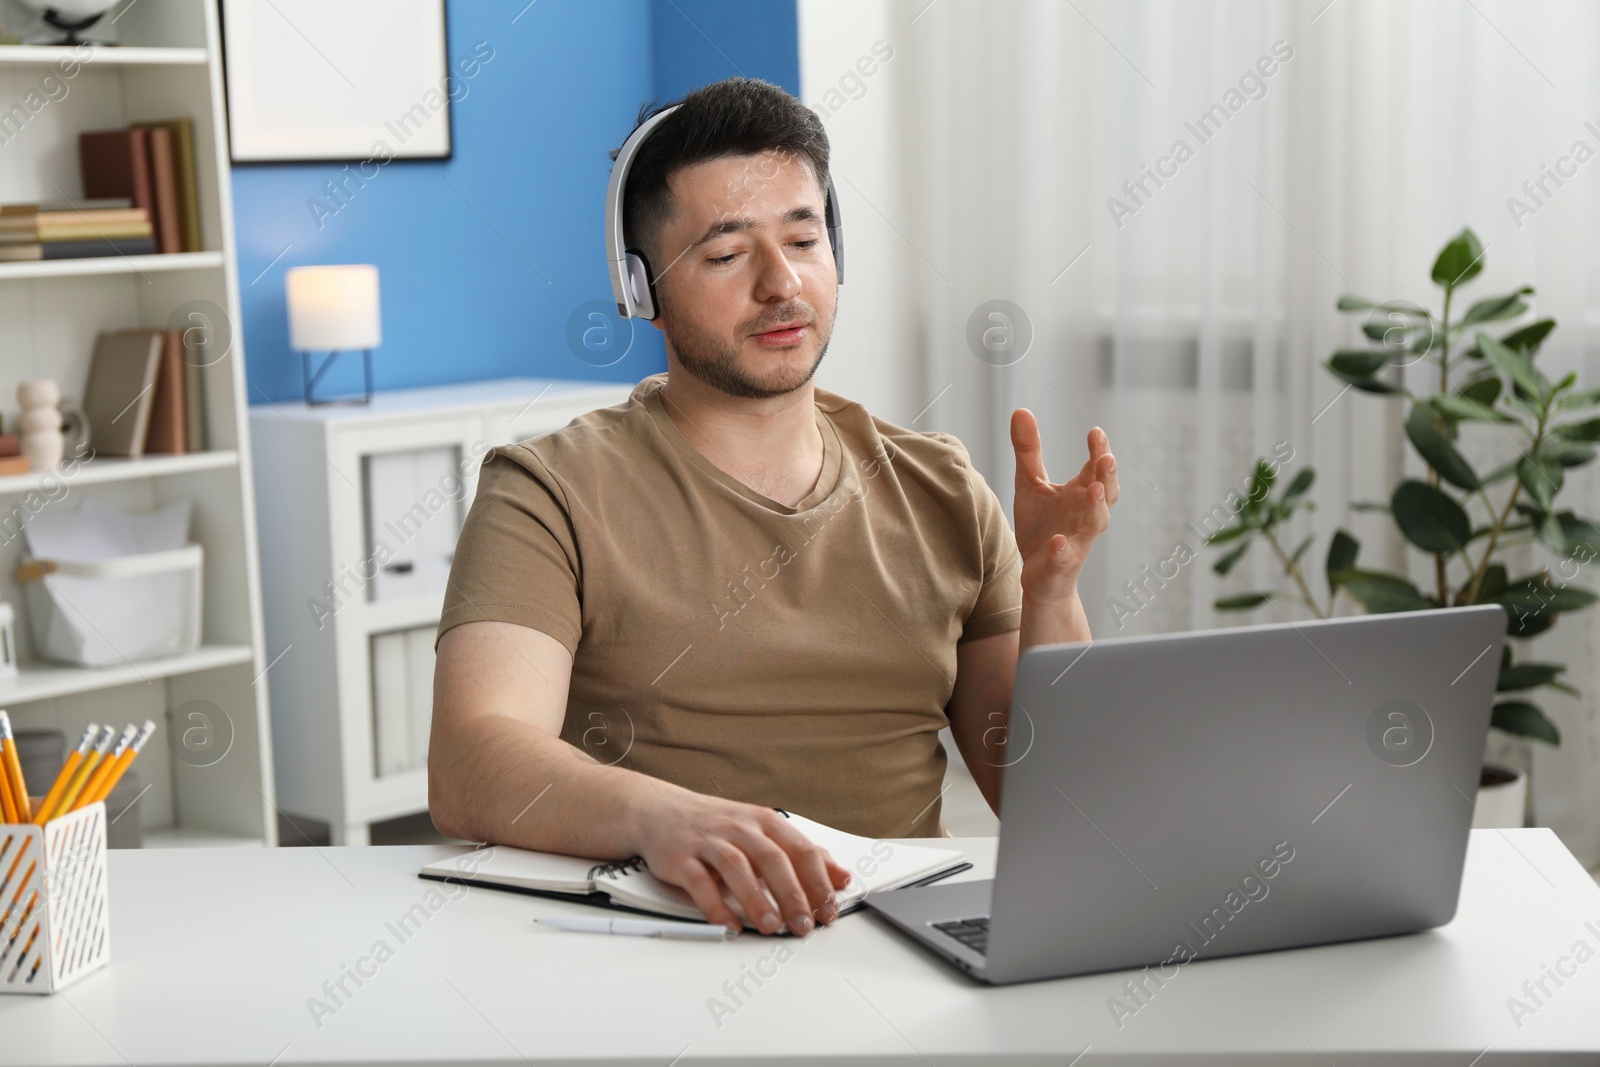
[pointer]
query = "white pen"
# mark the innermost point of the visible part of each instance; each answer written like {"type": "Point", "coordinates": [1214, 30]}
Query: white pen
{"type": "Point", "coordinates": [641, 928]}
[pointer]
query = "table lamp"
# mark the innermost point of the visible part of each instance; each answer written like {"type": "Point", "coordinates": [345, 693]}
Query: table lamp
{"type": "Point", "coordinates": [333, 308]}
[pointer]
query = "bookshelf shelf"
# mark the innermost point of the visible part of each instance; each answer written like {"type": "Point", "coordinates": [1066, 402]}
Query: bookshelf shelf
{"type": "Point", "coordinates": [116, 469]}
{"type": "Point", "coordinates": [68, 268]}
{"type": "Point", "coordinates": [44, 55]}
{"type": "Point", "coordinates": [166, 68]}
{"type": "Point", "coordinates": [44, 681]}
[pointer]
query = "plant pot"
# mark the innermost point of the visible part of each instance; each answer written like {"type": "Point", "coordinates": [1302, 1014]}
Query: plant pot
{"type": "Point", "coordinates": [1502, 798]}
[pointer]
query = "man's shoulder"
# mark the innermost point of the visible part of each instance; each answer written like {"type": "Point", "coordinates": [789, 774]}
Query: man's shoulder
{"type": "Point", "coordinates": [889, 442]}
{"type": "Point", "coordinates": [591, 443]}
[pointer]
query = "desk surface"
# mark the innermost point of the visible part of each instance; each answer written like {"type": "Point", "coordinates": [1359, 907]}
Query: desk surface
{"type": "Point", "coordinates": [218, 954]}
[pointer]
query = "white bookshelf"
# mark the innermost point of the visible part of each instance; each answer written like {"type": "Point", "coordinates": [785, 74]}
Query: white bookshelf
{"type": "Point", "coordinates": [310, 466]}
{"type": "Point", "coordinates": [167, 65]}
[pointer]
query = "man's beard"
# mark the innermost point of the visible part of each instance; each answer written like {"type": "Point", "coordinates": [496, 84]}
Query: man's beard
{"type": "Point", "coordinates": [709, 358]}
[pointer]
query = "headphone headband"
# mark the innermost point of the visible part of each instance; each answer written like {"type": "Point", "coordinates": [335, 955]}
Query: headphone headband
{"type": "Point", "coordinates": [633, 285]}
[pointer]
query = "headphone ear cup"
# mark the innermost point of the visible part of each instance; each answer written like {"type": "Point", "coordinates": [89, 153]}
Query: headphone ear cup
{"type": "Point", "coordinates": [642, 285]}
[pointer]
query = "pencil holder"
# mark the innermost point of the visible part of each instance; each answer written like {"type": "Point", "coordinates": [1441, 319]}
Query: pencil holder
{"type": "Point", "coordinates": [54, 921]}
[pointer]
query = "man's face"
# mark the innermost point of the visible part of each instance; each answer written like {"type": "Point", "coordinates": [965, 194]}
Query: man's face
{"type": "Point", "coordinates": [747, 284]}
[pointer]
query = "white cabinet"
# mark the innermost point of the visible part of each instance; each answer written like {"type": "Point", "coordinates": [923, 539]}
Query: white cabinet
{"type": "Point", "coordinates": [360, 507]}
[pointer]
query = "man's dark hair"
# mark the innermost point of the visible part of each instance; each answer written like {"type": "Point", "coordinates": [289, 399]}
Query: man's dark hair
{"type": "Point", "coordinates": [733, 117]}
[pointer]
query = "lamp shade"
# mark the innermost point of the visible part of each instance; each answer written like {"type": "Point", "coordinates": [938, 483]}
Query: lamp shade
{"type": "Point", "coordinates": [333, 308]}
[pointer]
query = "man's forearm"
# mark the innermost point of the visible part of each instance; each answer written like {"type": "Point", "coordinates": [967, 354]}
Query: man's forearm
{"type": "Point", "coordinates": [1053, 622]}
{"type": "Point", "coordinates": [497, 779]}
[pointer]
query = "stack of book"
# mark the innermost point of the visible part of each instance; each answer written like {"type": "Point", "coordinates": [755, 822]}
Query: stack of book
{"type": "Point", "coordinates": [145, 393]}
{"type": "Point", "coordinates": [70, 229]}
{"type": "Point", "coordinates": [140, 196]}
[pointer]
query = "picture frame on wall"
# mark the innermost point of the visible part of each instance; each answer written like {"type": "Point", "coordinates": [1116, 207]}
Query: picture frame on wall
{"type": "Point", "coordinates": [309, 81]}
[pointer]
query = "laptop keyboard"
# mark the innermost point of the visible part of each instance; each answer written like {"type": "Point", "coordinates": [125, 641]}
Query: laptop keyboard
{"type": "Point", "coordinates": [974, 933]}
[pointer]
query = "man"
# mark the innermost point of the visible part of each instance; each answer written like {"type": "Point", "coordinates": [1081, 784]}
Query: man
{"type": "Point", "coordinates": [738, 592]}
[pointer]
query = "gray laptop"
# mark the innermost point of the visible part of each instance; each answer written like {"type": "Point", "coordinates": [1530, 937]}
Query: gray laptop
{"type": "Point", "coordinates": [1206, 794]}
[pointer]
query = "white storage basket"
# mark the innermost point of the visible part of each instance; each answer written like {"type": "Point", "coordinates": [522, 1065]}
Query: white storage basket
{"type": "Point", "coordinates": [114, 611]}
{"type": "Point", "coordinates": [55, 923]}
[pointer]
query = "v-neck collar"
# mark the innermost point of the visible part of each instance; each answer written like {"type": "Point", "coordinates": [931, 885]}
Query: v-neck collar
{"type": "Point", "coordinates": [827, 481]}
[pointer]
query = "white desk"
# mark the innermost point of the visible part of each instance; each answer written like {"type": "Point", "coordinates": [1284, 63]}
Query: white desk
{"type": "Point", "coordinates": [216, 952]}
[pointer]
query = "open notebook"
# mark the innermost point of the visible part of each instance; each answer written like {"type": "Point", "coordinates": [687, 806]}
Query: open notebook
{"type": "Point", "coordinates": [874, 866]}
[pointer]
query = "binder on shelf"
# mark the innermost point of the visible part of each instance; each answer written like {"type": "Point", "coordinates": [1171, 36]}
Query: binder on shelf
{"type": "Point", "coordinates": [410, 514]}
{"type": "Point", "coordinates": [391, 727]}
{"type": "Point", "coordinates": [402, 699]}
{"type": "Point", "coordinates": [118, 396]}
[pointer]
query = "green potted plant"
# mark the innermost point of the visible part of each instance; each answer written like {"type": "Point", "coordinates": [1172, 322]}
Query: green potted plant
{"type": "Point", "coordinates": [1463, 518]}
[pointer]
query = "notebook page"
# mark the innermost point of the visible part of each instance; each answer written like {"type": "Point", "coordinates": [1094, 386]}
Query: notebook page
{"type": "Point", "coordinates": [520, 867]}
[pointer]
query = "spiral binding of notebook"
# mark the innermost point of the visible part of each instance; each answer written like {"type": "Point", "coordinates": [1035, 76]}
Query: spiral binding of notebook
{"type": "Point", "coordinates": [610, 870]}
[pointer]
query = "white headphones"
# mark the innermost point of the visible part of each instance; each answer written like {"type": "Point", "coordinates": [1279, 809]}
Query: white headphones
{"type": "Point", "coordinates": [632, 282]}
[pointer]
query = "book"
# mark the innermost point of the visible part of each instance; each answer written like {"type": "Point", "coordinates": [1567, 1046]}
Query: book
{"type": "Point", "coordinates": [119, 392]}
{"type": "Point", "coordinates": [194, 395]}
{"type": "Point", "coordinates": [86, 204]}
{"type": "Point", "coordinates": [14, 465]}
{"type": "Point", "coordinates": [875, 867]}
{"type": "Point", "coordinates": [116, 163]}
{"type": "Point", "coordinates": [164, 189]}
{"type": "Point", "coordinates": [109, 246]}
{"type": "Point", "coordinates": [391, 730]}
{"type": "Point", "coordinates": [91, 231]}
{"type": "Point", "coordinates": [187, 176]}
{"type": "Point", "coordinates": [169, 425]}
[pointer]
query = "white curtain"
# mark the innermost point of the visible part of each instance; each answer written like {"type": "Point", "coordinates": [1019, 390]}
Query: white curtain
{"type": "Point", "coordinates": [986, 161]}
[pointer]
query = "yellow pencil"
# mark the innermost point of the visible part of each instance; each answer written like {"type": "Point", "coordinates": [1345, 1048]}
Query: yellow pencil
{"type": "Point", "coordinates": [114, 772]}
{"type": "Point", "coordinates": [7, 808]}
{"type": "Point", "coordinates": [64, 776]}
{"type": "Point", "coordinates": [13, 770]}
{"type": "Point", "coordinates": [80, 777]}
{"type": "Point", "coordinates": [103, 769]}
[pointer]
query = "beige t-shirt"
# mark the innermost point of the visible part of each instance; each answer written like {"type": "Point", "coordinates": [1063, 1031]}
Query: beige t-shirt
{"type": "Point", "coordinates": [797, 657]}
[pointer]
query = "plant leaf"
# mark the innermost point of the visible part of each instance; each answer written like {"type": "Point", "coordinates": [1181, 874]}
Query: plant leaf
{"type": "Point", "coordinates": [1542, 478]}
{"type": "Point", "coordinates": [1380, 593]}
{"type": "Point", "coordinates": [1423, 430]}
{"type": "Point", "coordinates": [1533, 592]}
{"type": "Point", "coordinates": [1583, 398]}
{"type": "Point", "coordinates": [1300, 549]}
{"type": "Point", "coordinates": [1342, 552]}
{"type": "Point", "coordinates": [1460, 260]}
{"type": "Point", "coordinates": [1358, 362]}
{"type": "Point", "coordinates": [1567, 453]}
{"type": "Point", "coordinates": [1457, 407]}
{"type": "Point", "coordinates": [1429, 518]}
{"type": "Point", "coordinates": [1484, 390]}
{"type": "Point", "coordinates": [1524, 720]}
{"type": "Point", "coordinates": [1514, 364]}
{"type": "Point", "coordinates": [1529, 337]}
{"type": "Point", "coordinates": [1495, 308]}
{"type": "Point", "coordinates": [1580, 531]}
{"type": "Point", "coordinates": [1299, 484]}
{"type": "Point", "coordinates": [1231, 533]}
{"type": "Point", "coordinates": [1588, 430]}
{"type": "Point", "coordinates": [1242, 602]}
{"type": "Point", "coordinates": [1527, 676]}
{"type": "Point", "coordinates": [1225, 564]}
{"type": "Point", "coordinates": [1354, 303]}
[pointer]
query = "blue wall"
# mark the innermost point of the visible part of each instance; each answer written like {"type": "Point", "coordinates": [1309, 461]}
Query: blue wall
{"type": "Point", "coordinates": [484, 258]}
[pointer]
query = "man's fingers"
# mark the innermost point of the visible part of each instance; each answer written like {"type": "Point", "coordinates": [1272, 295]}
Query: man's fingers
{"type": "Point", "coordinates": [706, 892]}
{"type": "Point", "coordinates": [814, 869]}
{"type": "Point", "coordinates": [1025, 442]}
{"type": "Point", "coordinates": [740, 878]}
{"type": "Point", "coordinates": [1107, 468]}
{"type": "Point", "coordinates": [772, 862]}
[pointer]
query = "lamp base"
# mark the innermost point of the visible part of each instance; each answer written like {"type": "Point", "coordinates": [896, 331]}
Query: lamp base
{"type": "Point", "coordinates": [312, 379]}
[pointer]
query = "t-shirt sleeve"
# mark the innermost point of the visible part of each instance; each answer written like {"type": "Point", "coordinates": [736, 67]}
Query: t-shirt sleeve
{"type": "Point", "coordinates": [517, 558]}
{"type": "Point", "coordinates": [999, 605]}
